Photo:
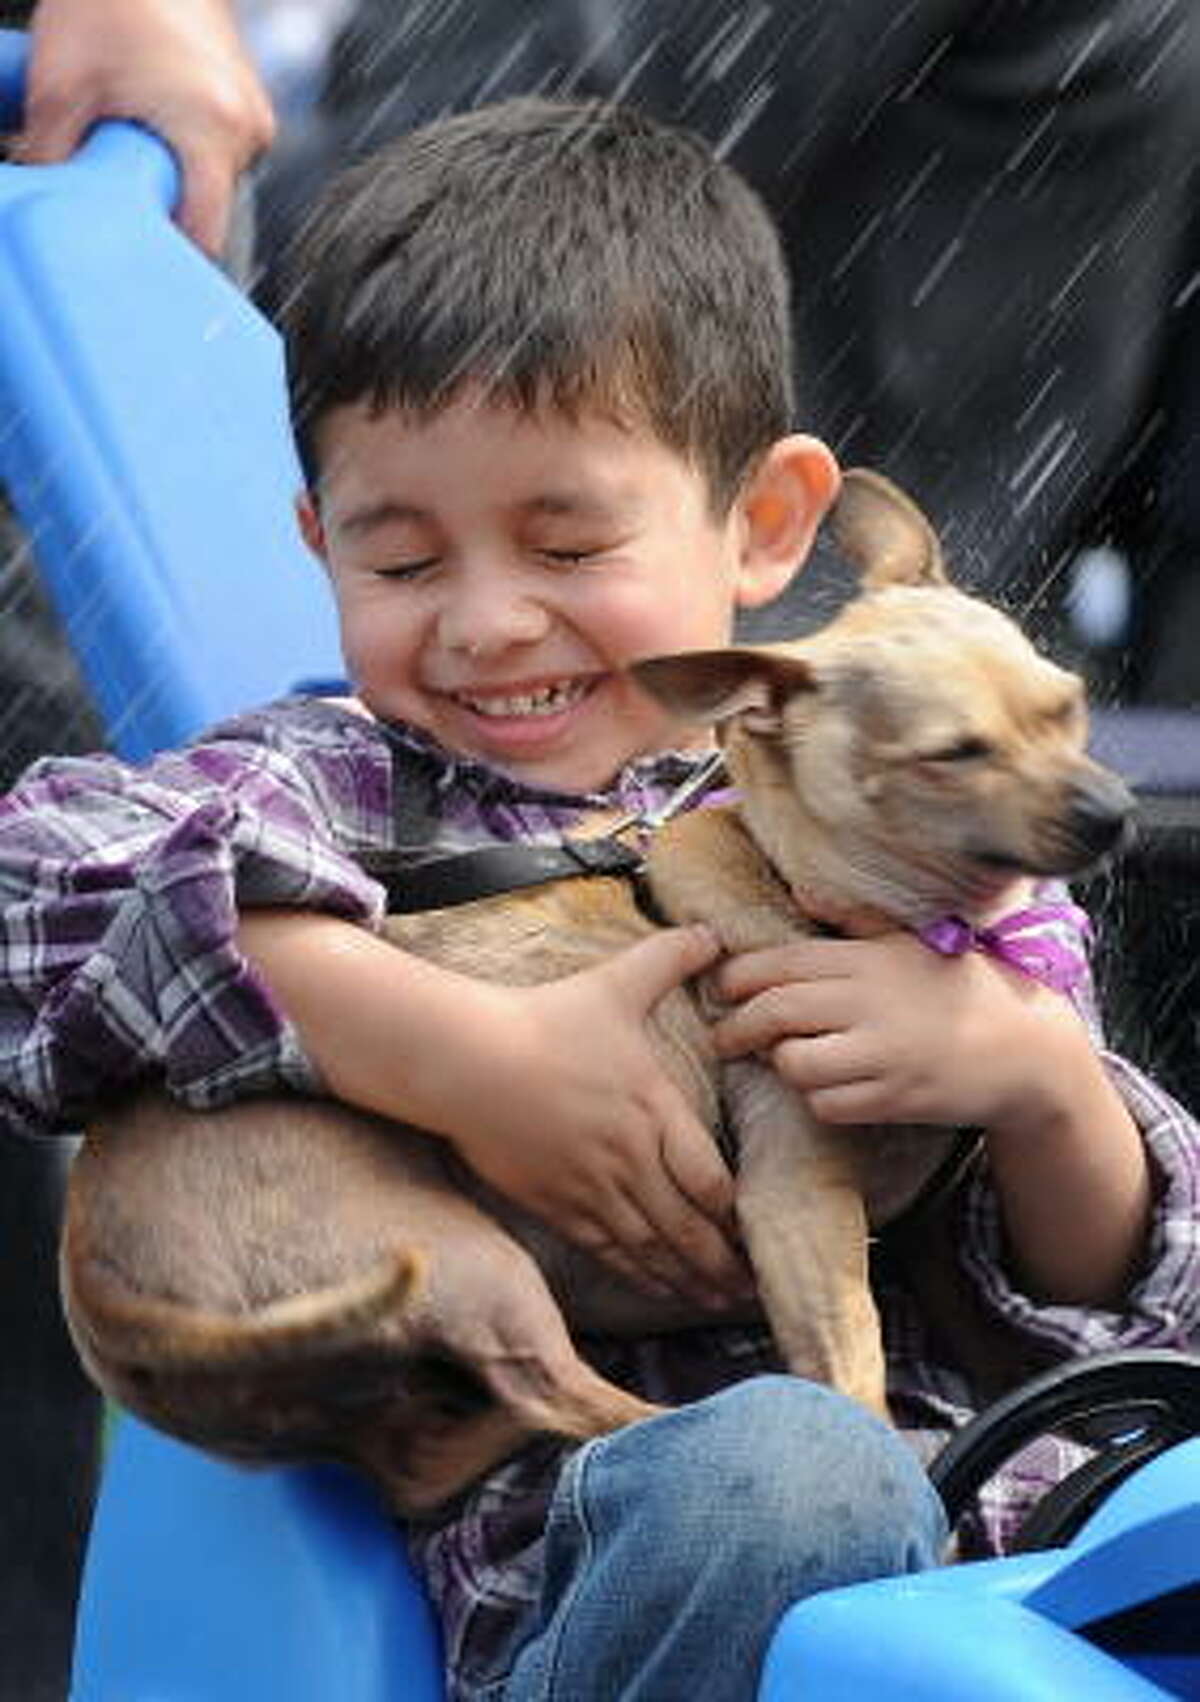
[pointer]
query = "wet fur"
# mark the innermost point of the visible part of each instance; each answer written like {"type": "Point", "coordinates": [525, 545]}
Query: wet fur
{"type": "Point", "coordinates": [293, 1279]}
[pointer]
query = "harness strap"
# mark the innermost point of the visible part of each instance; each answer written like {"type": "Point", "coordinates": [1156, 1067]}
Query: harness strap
{"type": "Point", "coordinates": [416, 876]}
{"type": "Point", "coordinates": [460, 876]}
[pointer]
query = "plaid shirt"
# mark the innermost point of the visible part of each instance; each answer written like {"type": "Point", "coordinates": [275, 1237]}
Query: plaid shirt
{"type": "Point", "coordinates": [121, 889]}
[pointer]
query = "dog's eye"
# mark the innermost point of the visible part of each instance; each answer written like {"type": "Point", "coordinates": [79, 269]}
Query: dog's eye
{"type": "Point", "coordinates": [968, 749]}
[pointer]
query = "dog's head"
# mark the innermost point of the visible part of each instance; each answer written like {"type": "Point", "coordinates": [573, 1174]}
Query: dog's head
{"type": "Point", "coordinates": [919, 747]}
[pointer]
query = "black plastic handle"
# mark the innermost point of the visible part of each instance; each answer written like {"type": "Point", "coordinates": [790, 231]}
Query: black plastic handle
{"type": "Point", "coordinates": [1127, 1405]}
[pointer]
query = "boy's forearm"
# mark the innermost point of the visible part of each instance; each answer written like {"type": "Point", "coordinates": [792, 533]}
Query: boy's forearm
{"type": "Point", "coordinates": [378, 1023]}
{"type": "Point", "coordinates": [1073, 1178]}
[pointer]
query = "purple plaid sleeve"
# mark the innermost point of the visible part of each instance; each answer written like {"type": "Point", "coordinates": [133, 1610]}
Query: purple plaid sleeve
{"type": "Point", "coordinates": [1162, 1305]}
{"type": "Point", "coordinates": [121, 890]}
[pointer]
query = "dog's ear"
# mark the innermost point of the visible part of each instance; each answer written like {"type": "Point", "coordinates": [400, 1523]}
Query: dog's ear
{"type": "Point", "coordinates": [884, 533]}
{"type": "Point", "coordinates": [748, 681]}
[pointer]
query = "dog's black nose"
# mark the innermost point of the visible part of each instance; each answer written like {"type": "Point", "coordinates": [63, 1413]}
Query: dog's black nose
{"type": "Point", "coordinates": [1100, 812]}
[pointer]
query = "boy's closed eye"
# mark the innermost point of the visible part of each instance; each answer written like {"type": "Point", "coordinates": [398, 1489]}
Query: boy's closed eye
{"type": "Point", "coordinates": [405, 569]}
{"type": "Point", "coordinates": [565, 547]}
{"type": "Point", "coordinates": [422, 564]}
{"type": "Point", "coordinates": [569, 558]}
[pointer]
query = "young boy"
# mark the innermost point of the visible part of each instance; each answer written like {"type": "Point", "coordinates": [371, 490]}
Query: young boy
{"type": "Point", "coordinates": [540, 377]}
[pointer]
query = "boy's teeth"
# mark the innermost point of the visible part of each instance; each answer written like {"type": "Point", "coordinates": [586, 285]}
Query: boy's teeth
{"type": "Point", "coordinates": [545, 702]}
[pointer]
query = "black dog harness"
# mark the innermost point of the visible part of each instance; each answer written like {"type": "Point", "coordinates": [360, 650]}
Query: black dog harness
{"type": "Point", "coordinates": [417, 879]}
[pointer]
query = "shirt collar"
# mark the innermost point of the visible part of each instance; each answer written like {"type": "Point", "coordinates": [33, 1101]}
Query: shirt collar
{"type": "Point", "coordinates": [642, 782]}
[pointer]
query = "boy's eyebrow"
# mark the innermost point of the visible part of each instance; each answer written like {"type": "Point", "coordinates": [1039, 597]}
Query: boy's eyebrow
{"type": "Point", "coordinates": [371, 515]}
{"type": "Point", "coordinates": [578, 503]}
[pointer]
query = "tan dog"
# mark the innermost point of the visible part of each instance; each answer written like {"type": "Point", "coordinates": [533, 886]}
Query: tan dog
{"type": "Point", "coordinates": [293, 1279]}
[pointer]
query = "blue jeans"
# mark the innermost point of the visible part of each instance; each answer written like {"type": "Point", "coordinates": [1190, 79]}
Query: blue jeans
{"type": "Point", "coordinates": [674, 1546]}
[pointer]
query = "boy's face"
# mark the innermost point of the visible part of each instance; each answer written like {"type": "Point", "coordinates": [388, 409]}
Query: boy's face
{"type": "Point", "coordinates": [495, 573]}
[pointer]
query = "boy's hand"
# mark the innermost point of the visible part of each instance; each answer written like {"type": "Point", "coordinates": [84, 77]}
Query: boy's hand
{"type": "Point", "coordinates": [554, 1094]}
{"type": "Point", "coordinates": [886, 1031]}
{"type": "Point", "coordinates": [568, 1111]}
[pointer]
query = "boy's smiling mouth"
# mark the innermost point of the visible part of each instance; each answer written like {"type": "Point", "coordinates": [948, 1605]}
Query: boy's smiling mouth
{"type": "Point", "coordinates": [530, 702]}
{"type": "Point", "coordinates": [519, 721]}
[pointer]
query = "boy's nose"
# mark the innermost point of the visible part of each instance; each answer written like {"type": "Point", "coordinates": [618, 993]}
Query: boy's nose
{"type": "Point", "coordinates": [491, 622]}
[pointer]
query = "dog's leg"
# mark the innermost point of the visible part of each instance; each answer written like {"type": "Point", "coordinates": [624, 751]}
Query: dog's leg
{"type": "Point", "coordinates": [800, 1192]}
{"type": "Point", "coordinates": [487, 1317]}
{"type": "Point", "coordinates": [800, 1207]}
{"type": "Point", "coordinates": [485, 1306]}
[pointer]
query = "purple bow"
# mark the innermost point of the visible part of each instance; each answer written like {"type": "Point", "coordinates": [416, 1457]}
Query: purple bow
{"type": "Point", "coordinates": [1017, 940]}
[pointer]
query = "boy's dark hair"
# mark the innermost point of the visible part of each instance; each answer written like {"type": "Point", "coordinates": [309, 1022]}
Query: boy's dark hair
{"type": "Point", "coordinates": [575, 255]}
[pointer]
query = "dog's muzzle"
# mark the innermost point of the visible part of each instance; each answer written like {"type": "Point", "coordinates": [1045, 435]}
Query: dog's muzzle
{"type": "Point", "coordinates": [1098, 814]}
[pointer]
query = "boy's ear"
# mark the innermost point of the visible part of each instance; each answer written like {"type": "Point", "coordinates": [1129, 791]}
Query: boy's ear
{"type": "Point", "coordinates": [312, 529]}
{"type": "Point", "coordinates": [782, 504]}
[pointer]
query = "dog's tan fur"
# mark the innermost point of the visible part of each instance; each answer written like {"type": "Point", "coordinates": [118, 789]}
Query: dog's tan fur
{"type": "Point", "coordinates": [290, 1278]}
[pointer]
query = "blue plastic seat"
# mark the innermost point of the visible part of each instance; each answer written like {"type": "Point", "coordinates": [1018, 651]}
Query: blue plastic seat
{"type": "Point", "coordinates": [205, 1583]}
{"type": "Point", "coordinates": [144, 443]}
{"type": "Point", "coordinates": [1114, 1616]}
